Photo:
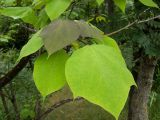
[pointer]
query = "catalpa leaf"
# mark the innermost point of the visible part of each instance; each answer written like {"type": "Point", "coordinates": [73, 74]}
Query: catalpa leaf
{"type": "Point", "coordinates": [100, 1]}
{"type": "Point", "coordinates": [98, 74]}
{"type": "Point", "coordinates": [109, 42]}
{"type": "Point", "coordinates": [149, 3]}
{"type": "Point", "coordinates": [42, 19]}
{"type": "Point", "coordinates": [61, 33]}
{"type": "Point", "coordinates": [55, 8]}
{"type": "Point", "coordinates": [49, 73]}
{"type": "Point", "coordinates": [24, 13]}
{"type": "Point", "coordinates": [88, 30]}
{"type": "Point", "coordinates": [121, 4]}
{"type": "Point", "coordinates": [33, 45]}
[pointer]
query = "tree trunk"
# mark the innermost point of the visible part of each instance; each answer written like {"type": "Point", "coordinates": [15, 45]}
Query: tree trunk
{"type": "Point", "coordinates": [138, 108]}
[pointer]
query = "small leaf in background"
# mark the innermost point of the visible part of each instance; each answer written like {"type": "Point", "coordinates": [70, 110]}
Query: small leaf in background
{"type": "Point", "coordinates": [38, 4]}
{"type": "Point", "coordinates": [121, 4]}
{"type": "Point", "coordinates": [33, 45]}
{"type": "Point", "coordinates": [61, 33]}
{"type": "Point", "coordinates": [55, 8]}
{"type": "Point", "coordinates": [24, 13]}
{"type": "Point", "coordinates": [149, 3]}
{"type": "Point", "coordinates": [100, 2]}
{"type": "Point", "coordinates": [97, 74]}
{"type": "Point", "coordinates": [49, 73]}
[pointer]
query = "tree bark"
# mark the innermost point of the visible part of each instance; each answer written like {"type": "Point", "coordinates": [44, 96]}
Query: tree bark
{"type": "Point", "coordinates": [138, 108]}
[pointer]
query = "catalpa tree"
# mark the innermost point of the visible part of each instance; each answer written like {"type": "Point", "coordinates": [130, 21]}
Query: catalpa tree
{"type": "Point", "coordinates": [95, 71]}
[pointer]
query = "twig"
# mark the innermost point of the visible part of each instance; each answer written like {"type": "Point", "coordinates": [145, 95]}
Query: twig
{"type": "Point", "coordinates": [133, 23]}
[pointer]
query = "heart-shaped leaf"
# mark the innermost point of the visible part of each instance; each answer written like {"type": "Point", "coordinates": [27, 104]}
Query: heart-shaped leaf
{"type": "Point", "coordinates": [49, 73]}
{"type": "Point", "coordinates": [61, 33]}
{"type": "Point", "coordinates": [100, 75]}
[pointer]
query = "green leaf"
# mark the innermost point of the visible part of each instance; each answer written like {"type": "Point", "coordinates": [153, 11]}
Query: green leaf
{"type": "Point", "coordinates": [42, 19]}
{"type": "Point", "coordinates": [100, 2]}
{"type": "Point", "coordinates": [88, 30]}
{"type": "Point", "coordinates": [149, 3]}
{"type": "Point", "coordinates": [49, 73]}
{"type": "Point", "coordinates": [99, 74]}
{"type": "Point", "coordinates": [109, 42]}
{"type": "Point", "coordinates": [34, 44]}
{"type": "Point", "coordinates": [61, 33]}
{"type": "Point", "coordinates": [55, 8]}
{"type": "Point", "coordinates": [24, 13]}
{"type": "Point", "coordinates": [121, 4]}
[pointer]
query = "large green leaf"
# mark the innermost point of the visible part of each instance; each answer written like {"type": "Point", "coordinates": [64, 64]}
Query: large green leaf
{"type": "Point", "coordinates": [149, 3]}
{"type": "Point", "coordinates": [98, 74]}
{"type": "Point", "coordinates": [33, 45]}
{"type": "Point", "coordinates": [121, 4]}
{"type": "Point", "coordinates": [24, 13]}
{"type": "Point", "coordinates": [55, 8]}
{"type": "Point", "coordinates": [100, 1]}
{"type": "Point", "coordinates": [61, 33]}
{"type": "Point", "coordinates": [109, 42]}
{"type": "Point", "coordinates": [49, 73]}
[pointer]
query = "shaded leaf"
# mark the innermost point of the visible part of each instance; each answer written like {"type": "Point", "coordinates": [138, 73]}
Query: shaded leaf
{"type": "Point", "coordinates": [98, 74]}
{"type": "Point", "coordinates": [87, 30]}
{"type": "Point", "coordinates": [61, 33]}
{"type": "Point", "coordinates": [42, 19]}
{"type": "Point", "coordinates": [49, 73]}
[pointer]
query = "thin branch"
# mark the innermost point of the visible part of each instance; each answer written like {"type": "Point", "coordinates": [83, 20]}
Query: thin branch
{"type": "Point", "coordinates": [57, 105]}
{"type": "Point", "coordinates": [133, 23]}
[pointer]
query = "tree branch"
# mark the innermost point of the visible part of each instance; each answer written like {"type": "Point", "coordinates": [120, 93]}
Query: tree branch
{"type": "Point", "coordinates": [14, 72]}
{"type": "Point", "coordinates": [133, 23]}
{"type": "Point", "coordinates": [56, 105]}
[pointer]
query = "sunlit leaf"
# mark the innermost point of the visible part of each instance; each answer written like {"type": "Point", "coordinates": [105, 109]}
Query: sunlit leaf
{"type": "Point", "coordinates": [149, 3]}
{"type": "Point", "coordinates": [121, 4]}
{"type": "Point", "coordinates": [99, 75]}
{"type": "Point", "coordinates": [109, 42]}
{"type": "Point", "coordinates": [24, 13]}
{"type": "Point", "coordinates": [33, 45]}
{"type": "Point", "coordinates": [55, 8]}
{"type": "Point", "coordinates": [49, 73]}
{"type": "Point", "coordinates": [100, 1]}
